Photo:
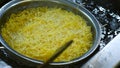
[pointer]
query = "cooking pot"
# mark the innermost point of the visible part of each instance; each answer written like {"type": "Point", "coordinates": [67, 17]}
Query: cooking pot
{"type": "Point", "coordinates": [15, 6]}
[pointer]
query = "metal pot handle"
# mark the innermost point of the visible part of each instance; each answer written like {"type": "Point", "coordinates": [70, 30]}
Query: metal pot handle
{"type": "Point", "coordinates": [1, 47]}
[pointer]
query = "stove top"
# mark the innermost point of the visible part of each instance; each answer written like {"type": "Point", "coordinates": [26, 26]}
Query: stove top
{"type": "Point", "coordinates": [106, 14]}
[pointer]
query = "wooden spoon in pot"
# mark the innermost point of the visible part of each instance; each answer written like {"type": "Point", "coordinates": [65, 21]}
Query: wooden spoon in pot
{"type": "Point", "coordinates": [57, 53]}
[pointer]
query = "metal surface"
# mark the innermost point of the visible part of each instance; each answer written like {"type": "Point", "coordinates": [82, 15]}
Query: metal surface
{"type": "Point", "coordinates": [16, 6]}
{"type": "Point", "coordinates": [1, 47]}
{"type": "Point", "coordinates": [108, 57]}
{"type": "Point", "coordinates": [4, 65]}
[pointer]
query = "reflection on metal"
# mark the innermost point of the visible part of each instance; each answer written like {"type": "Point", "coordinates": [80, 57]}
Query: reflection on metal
{"type": "Point", "coordinates": [1, 47]}
{"type": "Point", "coordinates": [108, 57]}
{"type": "Point", "coordinates": [4, 65]}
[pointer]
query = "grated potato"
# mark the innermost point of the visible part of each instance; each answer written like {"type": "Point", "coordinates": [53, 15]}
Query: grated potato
{"type": "Point", "coordinates": [38, 32]}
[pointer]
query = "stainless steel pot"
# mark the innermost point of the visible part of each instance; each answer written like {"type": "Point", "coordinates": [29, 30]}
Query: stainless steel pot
{"type": "Point", "coordinates": [16, 5]}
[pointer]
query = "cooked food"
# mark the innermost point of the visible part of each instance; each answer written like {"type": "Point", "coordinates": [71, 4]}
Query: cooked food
{"type": "Point", "coordinates": [38, 32]}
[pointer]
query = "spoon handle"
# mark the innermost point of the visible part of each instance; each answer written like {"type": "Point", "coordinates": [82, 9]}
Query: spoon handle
{"type": "Point", "coordinates": [57, 53]}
